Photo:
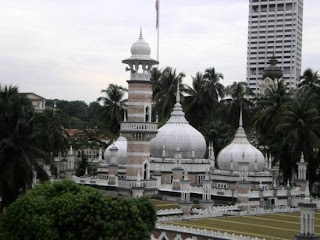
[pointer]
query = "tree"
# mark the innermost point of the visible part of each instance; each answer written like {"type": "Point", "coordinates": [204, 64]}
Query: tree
{"type": "Point", "coordinates": [219, 133]}
{"type": "Point", "coordinates": [66, 210]}
{"type": "Point", "coordinates": [113, 108]}
{"type": "Point", "coordinates": [165, 91]}
{"type": "Point", "coordinates": [214, 89]}
{"type": "Point", "coordinates": [309, 79]}
{"type": "Point", "coordinates": [82, 166]}
{"type": "Point", "coordinates": [26, 141]}
{"type": "Point", "coordinates": [19, 152]}
{"type": "Point", "coordinates": [238, 93]}
{"type": "Point", "coordinates": [298, 122]}
{"type": "Point", "coordinates": [197, 106]}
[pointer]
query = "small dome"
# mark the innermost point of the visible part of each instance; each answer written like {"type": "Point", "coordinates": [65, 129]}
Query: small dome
{"type": "Point", "coordinates": [140, 47]}
{"type": "Point", "coordinates": [178, 133]}
{"type": "Point", "coordinates": [240, 150]}
{"type": "Point", "coordinates": [121, 144]}
{"type": "Point", "coordinates": [272, 71]}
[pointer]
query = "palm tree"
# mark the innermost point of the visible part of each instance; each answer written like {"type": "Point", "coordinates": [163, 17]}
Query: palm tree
{"type": "Point", "coordinates": [214, 89]}
{"type": "Point", "coordinates": [219, 133]}
{"type": "Point", "coordinates": [298, 122]}
{"type": "Point", "coordinates": [237, 93]}
{"type": "Point", "coordinates": [113, 108]}
{"type": "Point", "coordinates": [309, 79]}
{"type": "Point", "coordinates": [20, 155]}
{"type": "Point", "coordinates": [268, 106]}
{"type": "Point", "coordinates": [50, 135]}
{"type": "Point", "coordinates": [165, 91]}
{"type": "Point", "coordinates": [196, 104]}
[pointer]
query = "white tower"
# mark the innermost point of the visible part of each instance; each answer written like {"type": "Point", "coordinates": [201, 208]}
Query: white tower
{"type": "Point", "coordinates": [307, 220]}
{"type": "Point", "coordinates": [70, 159]}
{"type": "Point", "coordinates": [275, 27]}
{"type": "Point", "coordinates": [138, 129]}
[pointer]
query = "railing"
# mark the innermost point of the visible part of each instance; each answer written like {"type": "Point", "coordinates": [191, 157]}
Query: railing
{"type": "Point", "coordinates": [215, 209]}
{"type": "Point", "coordinates": [267, 193]}
{"type": "Point", "coordinates": [189, 217]}
{"type": "Point", "coordinates": [91, 180]}
{"type": "Point", "coordinates": [201, 232]}
{"type": "Point", "coordinates": [261, 211]}
{"type": "Point", "coordinates": [296, 200]}
{"type": "Point", "coordinates": [164, 212]}
{"type": "Point", "coordinates": [192, 161]}
{"type": "Point", "coordinates": [133, 183]}
{"type": "Point", "coordinates": [130, 126]}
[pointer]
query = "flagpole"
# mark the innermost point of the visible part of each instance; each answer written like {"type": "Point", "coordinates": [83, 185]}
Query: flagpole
{"type": "Point", "coordinates": [158, 26]}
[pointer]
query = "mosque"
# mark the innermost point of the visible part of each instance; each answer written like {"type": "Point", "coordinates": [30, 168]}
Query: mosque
{"type": "Point", "coordinates": [169, 162]}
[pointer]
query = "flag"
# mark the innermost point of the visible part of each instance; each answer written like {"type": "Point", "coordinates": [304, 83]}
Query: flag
{"type": "Point", "coordinates": [157, 16]}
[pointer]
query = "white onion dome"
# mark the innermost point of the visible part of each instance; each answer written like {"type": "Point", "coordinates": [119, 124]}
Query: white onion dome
{"type": "Point", "coordinates": [178, 133]}
{"type": "Point", "coordinates": [240, 150]}
{"type": "Point", "coordinates": [121, 145]}
{"type": "Point", "coordinates": [140, 47]}
{"type": "Point", "coordinates": [140, 51]}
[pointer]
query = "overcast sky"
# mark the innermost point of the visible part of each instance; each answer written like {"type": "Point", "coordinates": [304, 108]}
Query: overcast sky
{"type": "Point", "coordinates": [71, 49]}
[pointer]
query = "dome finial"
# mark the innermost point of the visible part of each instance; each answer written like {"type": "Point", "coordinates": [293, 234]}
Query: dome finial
{"type": "Point", "coordinates": [240, 120]}
{"type": "Point", "coordinates": [140, 36]}
{"type": "Point", "coordinates": [178, 93]}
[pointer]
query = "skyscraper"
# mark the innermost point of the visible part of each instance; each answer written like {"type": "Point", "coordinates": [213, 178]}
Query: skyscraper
{"type": "Point", "coordinates": [275, 27]}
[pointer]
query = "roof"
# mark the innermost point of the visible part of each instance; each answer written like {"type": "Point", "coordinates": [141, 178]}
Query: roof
{"type": "Point", "coordinates": [27, 93]}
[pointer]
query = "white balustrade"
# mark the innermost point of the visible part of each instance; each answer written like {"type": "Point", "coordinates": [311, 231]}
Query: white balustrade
{"type": "Point", "coordinates": [169, 211]}
{"type": "Point", "coordinates": [131, 126]}
{"type": "Point", "coordinates": [201, 232]}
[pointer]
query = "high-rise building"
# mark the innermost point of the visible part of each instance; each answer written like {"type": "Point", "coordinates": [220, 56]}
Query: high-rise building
{"type": "Point", "coordinates": [275, 27]}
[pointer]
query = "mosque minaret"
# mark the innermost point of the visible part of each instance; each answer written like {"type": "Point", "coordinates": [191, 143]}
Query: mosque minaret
{"type": "Point", "coordinates": [139, 129]}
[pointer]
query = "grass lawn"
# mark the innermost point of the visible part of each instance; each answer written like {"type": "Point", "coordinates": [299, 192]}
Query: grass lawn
{"type": "Point", "coordinates": [272, 226]}
{"type": "Point", "coordinates": [161, 204]}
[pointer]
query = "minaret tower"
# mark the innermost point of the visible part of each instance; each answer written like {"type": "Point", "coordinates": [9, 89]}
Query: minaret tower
{"type": "Point", "coordinates": [138, 129]}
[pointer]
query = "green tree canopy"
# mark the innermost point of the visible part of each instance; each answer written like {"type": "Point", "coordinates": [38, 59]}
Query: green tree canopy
{"type": "Point", "coordinates": [66, 210]}
{"type": "Point", "coordinates": [112, 112]}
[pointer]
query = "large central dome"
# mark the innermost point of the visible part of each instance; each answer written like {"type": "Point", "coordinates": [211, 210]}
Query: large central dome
{"type": "Point", "coordinates": [178, 133]}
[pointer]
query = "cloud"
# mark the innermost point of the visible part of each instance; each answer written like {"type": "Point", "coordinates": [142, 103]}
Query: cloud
{"type": "Point", "coordinates": [73, 49]}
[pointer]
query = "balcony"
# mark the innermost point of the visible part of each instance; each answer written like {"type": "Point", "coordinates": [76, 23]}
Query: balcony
{"type": "Point", "coordinates": [138, 127]}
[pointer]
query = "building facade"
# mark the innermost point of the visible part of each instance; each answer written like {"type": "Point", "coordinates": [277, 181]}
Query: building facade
{"type": "Point", "coordinates": [275, 28]}
{"type": "Point", "coordinates": [38, 102]}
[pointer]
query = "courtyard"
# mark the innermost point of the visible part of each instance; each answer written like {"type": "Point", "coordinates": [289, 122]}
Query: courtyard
{"type": "Point", "coordinates": [271, 226]}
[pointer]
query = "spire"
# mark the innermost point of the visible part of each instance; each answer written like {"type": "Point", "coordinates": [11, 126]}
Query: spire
{"type": "Point", "coordinates": [240, 120]}
{"type": "Point", "coordinates": [207, 175]}
{"type": "Point", "coordinates": [140, 36]}
{"type": "Point", "coordinates": [231, 163]}
{"type": "Point", "coordinates": [177, 115]}
{"type": "Point", "coordinates": [178, 93]}
{"type": "Point", "coordinates": [307, 194]}
{"type": "Point", "coordinates": [302, 157]}
{"type": "Point", "coordinates": [124, 116]}
{"type": "Point", "coordinates": [138, 183]}
{"type": "Point", "coordinates": [185, 176]}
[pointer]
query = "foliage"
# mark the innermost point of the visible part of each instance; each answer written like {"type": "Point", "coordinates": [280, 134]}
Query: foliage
{"type": "Point", "coordinates": [83, 166]}
{"type": "Point", "coordinates": [112, 112]}
{"type": "Point", "coordinates": [165, 89]}
{"type": "Point", "coordinates": [238, 98]}
{"type": "Point", "coordinates": [66, 210]}
{"type": "Point", "coordinates": [26, 139]}
{"type": "Point", "coordinates": [75, 114]}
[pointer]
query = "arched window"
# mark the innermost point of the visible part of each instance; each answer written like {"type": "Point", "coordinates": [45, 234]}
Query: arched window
{"type": "Point", "coordinates": [145, 171]}
{"type": "Point", "coordinates": [147, 113]}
